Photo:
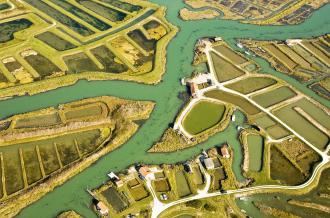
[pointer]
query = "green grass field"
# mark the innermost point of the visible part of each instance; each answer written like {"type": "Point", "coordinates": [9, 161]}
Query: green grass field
{"type": "Point", "coordinates": [224, 70]}
{"type": "Point", "coordinates": [251, 84]}
{"type": "Point", "coordinates": [255, 145]}
{"type": "Point", "coordinates": [302, 126]}
{"type": "Point", "coordinates": [230, 54]}
{"type": "Point", "coordinates": [181, 184]}
{"type": "Point", "coordinates": [275, 96]}
{"type": "Point", "coordinates": [203, 116]}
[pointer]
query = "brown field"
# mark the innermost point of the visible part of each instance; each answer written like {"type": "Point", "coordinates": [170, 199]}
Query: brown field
{"type": "Point", "coordinates": [296, 57]}
{"type": "Point", "coordinates": [283, 58]}
{"type": "Point", "coordinates": [316, 52]}
{"type": "Point", "coordinates": [139, 192]}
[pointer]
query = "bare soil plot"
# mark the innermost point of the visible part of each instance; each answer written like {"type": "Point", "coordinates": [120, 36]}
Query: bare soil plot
{"type": "Point", "coordinates": [161, 185]}
{"type": "Point", "coordinates": [42, 65]}
{"type": "Point", "coordinates": [80, 62]}
{"type": "Point", "coordinates": [115, 199]}
{"type": "Point", "coordinates": [283, 170]}
{"type": "Point", "coordinates": [236, 100]}
{"type": "Point", "coordinates": [38, 121]}
{"type": "Point", "coordinates": [224, 70]}
{"type": "Point", "coordinates": [275, 96]}
{"type": "Point", "coordinates": [13, 65]}
{"type": "Point", "coordinates": [83, 112]}
{"type": "Point", "coordinates": [145, 43]}
{"type": "Point", "coordinates": [55, 41]}
{"type": "Point", "coordinates": [108, 59]}
{"type": "Point", "coordinates": [251, 84]}
{"type": "Point", "coordinates": [139, 192]}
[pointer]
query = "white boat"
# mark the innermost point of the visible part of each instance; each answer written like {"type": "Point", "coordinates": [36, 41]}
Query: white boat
{"type": "Point", "coordinates": [112, 175]}
{"type": "Point", "coordinates": [239, 45]}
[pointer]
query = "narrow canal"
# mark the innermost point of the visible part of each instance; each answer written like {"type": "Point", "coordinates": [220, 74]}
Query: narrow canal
{"type": "Point", "coordinates": [72, 194]}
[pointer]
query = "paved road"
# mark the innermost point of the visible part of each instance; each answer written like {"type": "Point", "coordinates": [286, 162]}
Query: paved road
{"type": "Point", "coordinates": [159, 208]}
{"type": "Point", "coordinates": [221, 86]}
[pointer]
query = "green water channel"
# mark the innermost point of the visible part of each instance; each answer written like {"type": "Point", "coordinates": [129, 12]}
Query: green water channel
{"type": "Point", "coordinates": [73, 195]}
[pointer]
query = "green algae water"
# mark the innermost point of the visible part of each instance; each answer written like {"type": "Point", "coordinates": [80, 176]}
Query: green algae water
{"type": "Point", "coordinates": [72, 194]}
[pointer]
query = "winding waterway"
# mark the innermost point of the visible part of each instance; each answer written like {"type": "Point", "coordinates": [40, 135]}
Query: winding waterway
{"type": "Point", "coordinates": [72, 194]}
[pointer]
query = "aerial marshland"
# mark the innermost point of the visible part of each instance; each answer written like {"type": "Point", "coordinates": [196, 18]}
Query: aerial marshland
{"type": "Point", "coordinates": [56, 43]}
{"type": "Point", "coordinates": [42, 149]}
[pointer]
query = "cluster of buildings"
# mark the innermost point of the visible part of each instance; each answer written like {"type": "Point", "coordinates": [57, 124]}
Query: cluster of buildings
{"type": "Point", "coordinates": [134, 189]}
{"type": "Point", "coordinates": [197, 82]}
